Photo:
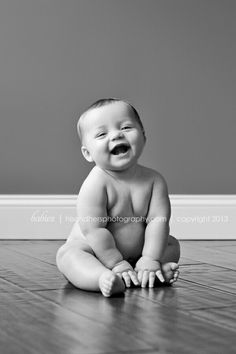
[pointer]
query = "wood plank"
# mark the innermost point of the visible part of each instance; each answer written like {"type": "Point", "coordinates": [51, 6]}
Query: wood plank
{"type": "Point", "coordinates": [228, 249]}
{"type": "Point", "coordinates": [203, 269]}
{"type": "Point", "coordinates": [189, 298]}
{"type": "Point", "coordinates": [8, 287]}
{"type": "Point", "coordinates": [41, 326]}
{"type": "Point", "coordinates": [29, 273]}
{"type": "Point", "coordinates": [213, 256]}
{"type": "Point", "coordinates": [42, 250]}
{"type": "Point", "coordinates": [187, 261]}
{"type": "Point", "coordinates": [40, 312]}
{"type": "Point", "coordinates": [210, 276]}
{"type": "Point", "coordinates": [154, 323]}
{"type": "Point", "coordinates": [224, 317]}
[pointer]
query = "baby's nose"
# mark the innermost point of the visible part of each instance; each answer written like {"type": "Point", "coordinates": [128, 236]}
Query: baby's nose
{"type": "Point", "coordinates": [116, 134]}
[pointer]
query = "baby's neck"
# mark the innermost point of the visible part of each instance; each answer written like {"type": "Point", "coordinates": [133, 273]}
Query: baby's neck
{"type": "Point", "coordinates": [124, 175]}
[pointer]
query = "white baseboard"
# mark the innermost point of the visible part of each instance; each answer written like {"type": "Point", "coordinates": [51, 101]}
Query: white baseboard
{"type": "Point", "coordinates": [194, 217]}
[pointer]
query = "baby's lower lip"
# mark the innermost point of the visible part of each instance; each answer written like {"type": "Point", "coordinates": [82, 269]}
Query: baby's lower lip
{"type": "Point", "coordinates": [121, 154]}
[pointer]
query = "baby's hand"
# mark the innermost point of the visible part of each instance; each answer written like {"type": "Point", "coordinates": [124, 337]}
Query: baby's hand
{"type": "Point", "coordinates": [147, 270]}
{"type": "Point", "coordinates": [126, 272]}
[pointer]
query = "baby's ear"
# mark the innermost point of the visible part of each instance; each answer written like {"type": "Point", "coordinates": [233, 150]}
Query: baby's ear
{"type": "Point", "coordinates": [86, 154]}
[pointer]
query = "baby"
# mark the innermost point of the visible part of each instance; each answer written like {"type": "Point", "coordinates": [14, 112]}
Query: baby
{"type": "Point", "coordinates": [121, 236]}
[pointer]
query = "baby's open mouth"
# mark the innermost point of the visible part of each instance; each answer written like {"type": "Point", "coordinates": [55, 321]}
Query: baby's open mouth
{"type": "Point", "coordinates": [120, 149]}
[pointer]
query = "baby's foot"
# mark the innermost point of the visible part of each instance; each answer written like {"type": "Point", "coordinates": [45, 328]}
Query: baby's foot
{"type": "Point", "coordinates": [110, 284]}
{"type": "Point", "coordinates": [170, 272]}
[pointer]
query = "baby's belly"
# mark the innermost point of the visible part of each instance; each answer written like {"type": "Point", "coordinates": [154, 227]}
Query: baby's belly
{"type": "Point", "coordinates": [129, 238]}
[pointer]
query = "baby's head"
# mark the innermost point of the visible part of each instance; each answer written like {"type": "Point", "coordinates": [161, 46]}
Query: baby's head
{"type": "Point", "coordinates": [111, 133]}
{"type": "Point", "coordinates": [101, 103]}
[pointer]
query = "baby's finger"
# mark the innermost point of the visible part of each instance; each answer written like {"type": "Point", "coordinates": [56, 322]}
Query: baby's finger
{"type": "Point", "coordinates": [151, 281]}
{"type": "Point", "coordinates": [126, 278]}
{"type": "Point", "coordinates": [160, 275]}
{"type": "Point", "coordinates": [145, 279]}
{"type": "Point", "coordinates": [133, 277]}
{"type": "Point", "coordinates": [140, 276]}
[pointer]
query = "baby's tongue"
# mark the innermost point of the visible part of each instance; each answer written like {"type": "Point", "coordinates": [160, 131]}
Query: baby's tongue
{"type": "Point", "coordinates": [119, 150]}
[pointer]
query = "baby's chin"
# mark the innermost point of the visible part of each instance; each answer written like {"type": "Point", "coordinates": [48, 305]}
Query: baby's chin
{"type": "Point", "coordinates": [117, 163]}
{"type": "Point", "coordinates": [125, 167]}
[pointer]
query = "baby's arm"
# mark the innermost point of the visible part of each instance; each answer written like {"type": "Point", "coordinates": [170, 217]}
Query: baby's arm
{"type": "Point", "coordinates": [156, 233]}
{"type": "Point", "coordinates": [92, 218]}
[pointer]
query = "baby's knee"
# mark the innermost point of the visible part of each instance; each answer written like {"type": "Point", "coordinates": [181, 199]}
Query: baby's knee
{"type": "Point", "coordinates": [61, 252]}
{"type": "Point", "coordinates": [173, 242]}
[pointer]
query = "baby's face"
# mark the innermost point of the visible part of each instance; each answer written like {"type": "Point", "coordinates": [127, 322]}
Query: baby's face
{"type": "Point", "coordinates": [112, 137]}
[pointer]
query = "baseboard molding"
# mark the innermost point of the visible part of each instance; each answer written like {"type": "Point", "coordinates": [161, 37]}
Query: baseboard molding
{"type": "Point", "coordinates": [194, 217]}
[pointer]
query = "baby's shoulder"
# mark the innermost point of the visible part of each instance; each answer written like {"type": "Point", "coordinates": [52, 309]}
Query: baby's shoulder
{"type": "Point", "coordinates": [154, 179]}
{"type": "Point", "coordinates": [150, 174]}
{"type": "Point", "coordinates": [95, 179]}
{"type": "Point", "coordinates": [93, 189]}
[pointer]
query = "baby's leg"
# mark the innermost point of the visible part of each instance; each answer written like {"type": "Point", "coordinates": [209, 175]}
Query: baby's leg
{"type": "Point", "coordinates": [172, 252]}
{"type": "Point", "coordinates": [77, 262]}
{"type": "Point", "coordinates": [170, 259]}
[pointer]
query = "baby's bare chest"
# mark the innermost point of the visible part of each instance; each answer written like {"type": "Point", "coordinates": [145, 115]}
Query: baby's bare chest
{"type": "Point", "coordinates": [129, 200]}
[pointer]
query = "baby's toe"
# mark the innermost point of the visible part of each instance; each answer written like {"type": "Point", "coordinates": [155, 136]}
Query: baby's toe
{"type": "Point", "coordinates": [106, 292]}
{"type": "Point", "coordinates": [175, 277]}
{"type": "Point", "coordinates": [174, 266]}
{"type": "Point", "coordinates": [176, 274]}
{"type": "Point", "coordinates": [110, 284]}
{"type": "Point", "coordinates": [168, 270]}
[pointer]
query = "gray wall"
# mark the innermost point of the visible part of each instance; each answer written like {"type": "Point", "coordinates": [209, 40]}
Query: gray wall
{"type": "Point", "coordinates": [173, 59]}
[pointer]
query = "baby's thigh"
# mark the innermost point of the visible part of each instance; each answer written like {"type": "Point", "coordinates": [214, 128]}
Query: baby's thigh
{"type": "Point", "coordinates": [76, 241]}
{"type": "Point", "coordinates": [73, 245]}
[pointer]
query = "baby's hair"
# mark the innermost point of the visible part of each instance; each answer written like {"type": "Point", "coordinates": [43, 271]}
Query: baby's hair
{"type": "Point", "coordinates": [104, 102]}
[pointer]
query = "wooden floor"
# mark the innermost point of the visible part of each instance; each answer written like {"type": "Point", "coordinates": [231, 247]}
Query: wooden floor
{"type": "Point", "coordinates": [41, 313]}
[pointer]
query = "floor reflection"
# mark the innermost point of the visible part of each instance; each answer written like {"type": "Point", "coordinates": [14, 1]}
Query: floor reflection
{"type": "Point", "coordinates": [106, 322]}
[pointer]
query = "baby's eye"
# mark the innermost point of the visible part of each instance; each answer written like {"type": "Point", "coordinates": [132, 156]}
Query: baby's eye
{"type": "Point", "coordinates": [100, 135]}
{"type": "Point", "coordinates": [126, 127]}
